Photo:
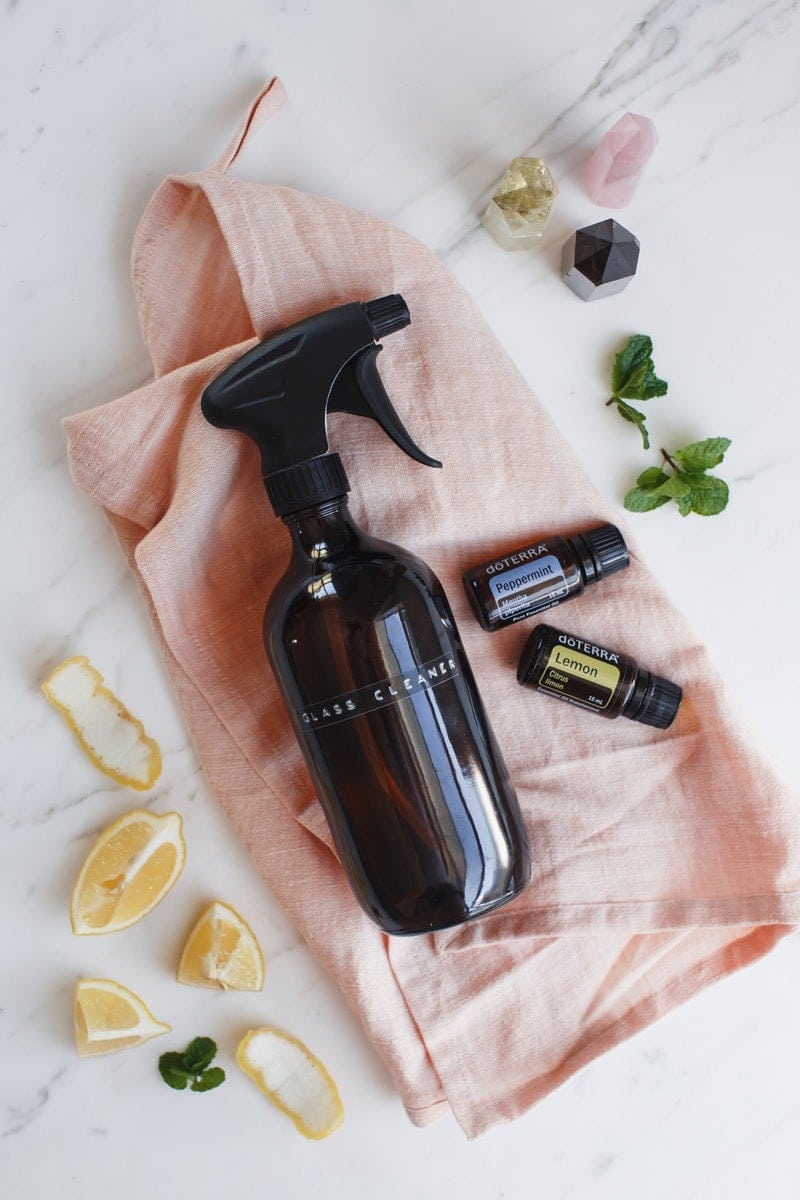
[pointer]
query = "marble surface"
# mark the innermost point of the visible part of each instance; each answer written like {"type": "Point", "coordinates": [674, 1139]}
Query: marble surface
{"type": "Point", "coordinates": [411, 110]}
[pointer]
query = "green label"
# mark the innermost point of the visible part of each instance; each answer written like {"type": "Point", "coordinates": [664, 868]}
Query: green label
{"type": "Point", "coordinates": [579, 678]}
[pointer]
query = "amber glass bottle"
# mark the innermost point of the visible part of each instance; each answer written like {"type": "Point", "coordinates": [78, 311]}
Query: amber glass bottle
{"type": "Point", "coordinates": [363, 644]}
{"type": "Point", "coordinates": [373, 673]}
{"type": "Point", "coordinates": [590, 676]}
{"type": "Point", "coordinates": [543, 574]}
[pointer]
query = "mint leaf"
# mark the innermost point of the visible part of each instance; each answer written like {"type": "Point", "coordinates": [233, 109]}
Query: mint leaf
{"type": "Point", "coordinates": [677, 485]}
{"type": "Point", "coordinates": [633, 375]}
{"type": "Point", "coordinates": [209, 1079]}
{"type": "Point", "coordinates": [199, 1054]}
{"type": "Point", "coordinates": [653, 477]}
{"type": "Point", "coordinates": [172, 1071]}
{"type": "Point", "coordinates": [628, 413]}
{"type": "Point", "coordinates": [700, 456]}
{"type": "Point", "coordinates": [644, 384]}
{"type": "Point", "coordinates": [709, 495]}
{"type": "Point", "coordinates": [692, 489]}
{"type": "Point", "coordinates": [636, 354]}
{"type": "Point", "coordinates": [644, 499]}
{"type": "Point", "coordinates": [193, 1066]}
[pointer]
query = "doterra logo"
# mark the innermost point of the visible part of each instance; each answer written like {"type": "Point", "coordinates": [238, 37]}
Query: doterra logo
{"type": "Point", "coordinates": [588, 648]}
{"type": "Point", "coordinates": [514, 560]}
{"type": "Point", "coordinates": [377, 695]}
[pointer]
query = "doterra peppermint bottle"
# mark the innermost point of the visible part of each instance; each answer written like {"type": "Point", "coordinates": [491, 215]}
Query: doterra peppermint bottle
{"type": "Point", "coordinates": [540, 575]}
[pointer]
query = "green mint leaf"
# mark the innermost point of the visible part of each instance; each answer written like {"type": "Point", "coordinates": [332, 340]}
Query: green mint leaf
{"type": "Point", "coordinates": [628, 413]}
{"type": "Point", "coordinates": [678, 485]}
{"type": "Point", "coordinates": [209, 1079]}
{"type": "Point", "coordinates": [172, 1071]}
{"type": "Point", "coordinates": [644, 384]}
{"type": "Point", "coordinates": [700, 456]}
{"type": "Point", "coordinates": [199, 1054]}
{"type": "Point", "coordinates": [644, 499]}
{"type": "Point", "coordinates": [633, 375]}
{"type": "Point", "coordinates": [653, 477]}
{"type": "Point", "coordinates": [709, 495]}
{"type": "Point", "coordinates": [685, 502]}
{"type": "Point", "coordinates": [636, 354]}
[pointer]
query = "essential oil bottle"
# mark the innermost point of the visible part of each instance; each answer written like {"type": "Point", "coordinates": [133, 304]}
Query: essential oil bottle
{"type": "Point", "coordinates": [540, 575]}
{"type": "Point", "coordinates": [595, 677]}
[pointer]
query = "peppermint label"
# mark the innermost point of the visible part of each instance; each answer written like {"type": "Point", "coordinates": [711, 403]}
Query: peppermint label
{"type": "Point", "coordinates": [528, 588]}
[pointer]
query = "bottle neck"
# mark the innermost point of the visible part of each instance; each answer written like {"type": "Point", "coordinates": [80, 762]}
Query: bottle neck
{"type": "Point", "coordinates": [320, 532]}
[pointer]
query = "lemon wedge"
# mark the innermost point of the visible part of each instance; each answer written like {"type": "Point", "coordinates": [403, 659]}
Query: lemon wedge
{"type": "Point", "coordinates": [222, 952]}
{"type": "Point", "coordinates": [129, 869]}
{"type": "Point", "coordinates": [112, 738]}
{"type": "Point", "coordinates": [109, 1017]}
{"type": "Point", "coordinates": [293, 1079]}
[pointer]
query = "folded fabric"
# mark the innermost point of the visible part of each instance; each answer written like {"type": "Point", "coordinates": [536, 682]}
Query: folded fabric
{"type": "Point", "coordinates": [661, 860]}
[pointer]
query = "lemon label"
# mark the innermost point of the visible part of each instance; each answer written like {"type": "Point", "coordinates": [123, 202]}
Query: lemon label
{"type": "Point", "coordinates": [579, 678]}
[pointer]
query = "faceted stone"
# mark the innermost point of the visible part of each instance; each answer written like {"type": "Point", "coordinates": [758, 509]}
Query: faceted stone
{"type": "Point", "coordinates": [519, 209]}
{"type": "Point", "coordinates": [600, 259]}
{"type": "Point", "coordinates": [613, 171]}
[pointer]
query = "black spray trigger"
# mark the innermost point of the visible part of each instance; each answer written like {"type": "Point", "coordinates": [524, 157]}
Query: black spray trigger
{"type": "Point", "coordinates": [359, 390]}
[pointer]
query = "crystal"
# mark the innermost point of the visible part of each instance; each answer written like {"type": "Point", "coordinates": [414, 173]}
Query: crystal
{"type": "Point", "coordinates": [519, 209]}
{"type": "Point", "coordinates": [613, 171]}
{"type": "Point", "coordinates": [600, 259]}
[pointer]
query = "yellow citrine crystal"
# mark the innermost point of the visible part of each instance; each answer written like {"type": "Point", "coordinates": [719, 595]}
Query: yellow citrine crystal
{"type": "Point", "coordinates": [518, 211]}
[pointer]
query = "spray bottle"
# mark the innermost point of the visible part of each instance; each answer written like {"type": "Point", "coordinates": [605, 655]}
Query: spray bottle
{"type": "Point", "coordinates": [364, 647]}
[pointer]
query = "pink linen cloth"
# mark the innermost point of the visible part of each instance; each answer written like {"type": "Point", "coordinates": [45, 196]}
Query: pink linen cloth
{"type": "Point", "coordinates": [661, 860]}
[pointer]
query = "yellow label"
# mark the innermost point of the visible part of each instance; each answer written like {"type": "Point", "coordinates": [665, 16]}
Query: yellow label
{"type": "Point", "coordinates": [579, 677]}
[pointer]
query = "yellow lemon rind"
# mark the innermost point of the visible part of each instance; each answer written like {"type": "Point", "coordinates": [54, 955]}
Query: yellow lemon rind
{"type": "Point", "coordinates": [296, 1118]}
{"type": "Point", "coordinates": [154, 750]}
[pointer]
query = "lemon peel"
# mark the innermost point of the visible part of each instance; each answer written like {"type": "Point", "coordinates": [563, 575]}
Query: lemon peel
{"type": "Point", "coordinates": [296, 1082]}
{"type": "Point", "coordinates": [129, 869]}
{"type": "Point", "coordinates": [110, 1017]}
{"type": "Point", "coordinates": [222, 952]}
{"type": "Point", "coordinates": [109, 735]}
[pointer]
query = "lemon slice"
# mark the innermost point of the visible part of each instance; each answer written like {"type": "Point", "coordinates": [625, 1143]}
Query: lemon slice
{"type": "Point", "coordinates": [109, 1017]}
{"type": "Point", "coordinates": [222, 952]}
{"type": "Point", "coordinates": [293, 1079]}
{"type": "Point", "coordinates": [131, 866]}
{"type": "Point", "coordinates": [113, 739]}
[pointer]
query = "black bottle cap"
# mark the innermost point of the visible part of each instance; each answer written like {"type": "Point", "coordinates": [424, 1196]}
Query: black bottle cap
{"type": "Point", "coordinates": [602, 551]}
{"type": "Point", "coordinates": [307, 484]}
{"type": "Point", "coordinates": [654, 700]}
{"type": "Point", "coordinates": [387, 315]}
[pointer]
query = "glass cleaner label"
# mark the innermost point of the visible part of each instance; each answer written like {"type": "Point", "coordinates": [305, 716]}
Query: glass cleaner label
{"type": "Point", "coordinates": [579, 678]}
{"type": "Point", "coordinates": [421, 678]}
{"type": "Point", "coordinates": [528, 588]}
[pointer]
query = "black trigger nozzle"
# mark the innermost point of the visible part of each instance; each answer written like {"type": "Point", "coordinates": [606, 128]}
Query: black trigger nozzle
{"type": "Point", "coordinates": [387, 315]}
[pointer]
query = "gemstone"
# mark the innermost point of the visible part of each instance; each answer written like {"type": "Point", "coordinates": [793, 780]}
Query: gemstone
{"type": "Point", "coordinates": [600, 259]}
{"type": "Point", "coordinates": [520, 207]}
{"type": "Point", "coordinates": [612, 173]}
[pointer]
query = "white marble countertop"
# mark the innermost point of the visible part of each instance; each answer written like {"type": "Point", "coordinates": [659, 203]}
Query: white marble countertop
{"type": "Point", "coordinates": [408, 109]}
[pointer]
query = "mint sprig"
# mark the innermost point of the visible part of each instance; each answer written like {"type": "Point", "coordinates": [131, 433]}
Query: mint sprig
{"type": "Point", "coordinates": [687, 483]}
{"type": "Point", "coordinates": [193, 1067]}
{"type": "Point", "coordinates": [633, 377]}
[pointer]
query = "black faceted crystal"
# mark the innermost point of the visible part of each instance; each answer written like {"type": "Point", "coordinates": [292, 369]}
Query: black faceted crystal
{"type": "Point", "coordinates": [600, 259]}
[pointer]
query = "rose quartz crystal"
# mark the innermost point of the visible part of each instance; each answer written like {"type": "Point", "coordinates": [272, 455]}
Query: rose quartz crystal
{"type": "Point", "coordinates": [612, 173]}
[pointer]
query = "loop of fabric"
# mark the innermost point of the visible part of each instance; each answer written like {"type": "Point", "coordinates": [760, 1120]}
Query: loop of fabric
{"type": "Point", "coordinates": [271, 97]}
